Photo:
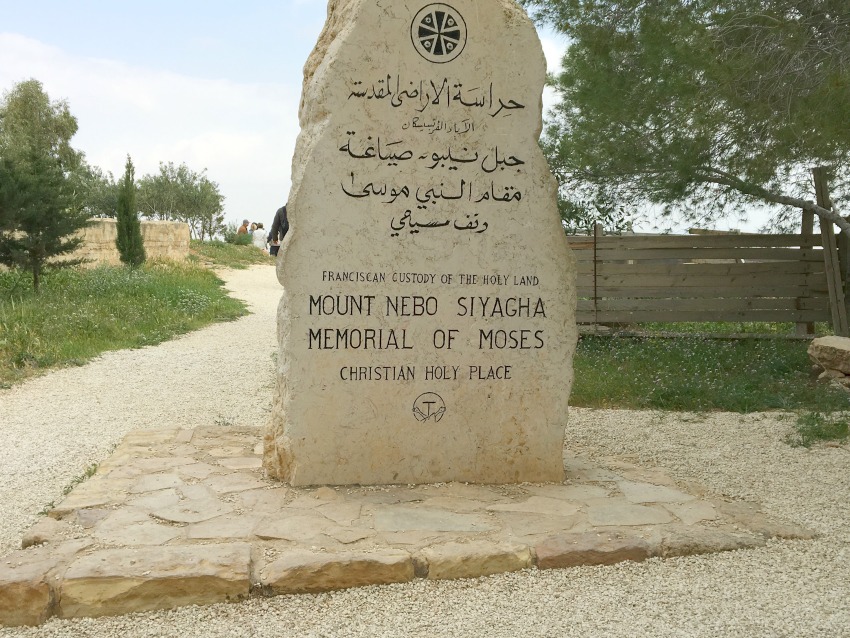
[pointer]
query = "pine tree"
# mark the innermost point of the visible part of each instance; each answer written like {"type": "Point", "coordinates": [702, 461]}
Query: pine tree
{"type": "Point", "coordinates": [39, 217]}
{"type": "Point", "coordinates": [129, 239]}
{"type": "Point", "coordinates": [705, 105]}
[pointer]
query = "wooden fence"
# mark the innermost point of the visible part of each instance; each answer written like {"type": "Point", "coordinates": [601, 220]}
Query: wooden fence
{"type": "Point", "coordinates": [732, 277]}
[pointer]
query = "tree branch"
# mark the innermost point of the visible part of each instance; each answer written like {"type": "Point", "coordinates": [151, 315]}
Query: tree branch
{"type": "Point", "coordinates": [715, 176]}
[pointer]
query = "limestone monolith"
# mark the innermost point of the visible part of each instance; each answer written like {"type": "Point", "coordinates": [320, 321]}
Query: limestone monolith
{"type": "Point", "coordinates": [427, 324]}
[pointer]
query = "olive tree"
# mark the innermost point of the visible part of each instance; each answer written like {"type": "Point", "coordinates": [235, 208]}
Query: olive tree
{"type": "Point", "coordinates": [178, 193]}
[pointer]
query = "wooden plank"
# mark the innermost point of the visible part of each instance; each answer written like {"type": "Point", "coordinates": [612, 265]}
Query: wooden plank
{"type": "Point", "coordinates": [807, 227]}
{"type": "Point", "coordinates": [697, 293]}
{"type": "Point", "coordinates": [662, 312]}
{"type": "Point", "coordinates": [752, 280]}
{"type": "Point", "coordinates": [636, 286]}
{"type": "Point", "coordinates": [626, 279]}
{"type": "Point", "coordinates": [843, 257]}
{"type": "Point", "coordinates": [685, 292]}
{"type": "Point", "coordinates": [833, 270]}
{"type": "Point", "coordinates": [844, 266]}
{"type": "Point", "coordinates": [759, 303]}
{"type": "Point", "coordinates": [704, 242]}
{"type": "Point", "coordinates": [720, 288]}
{"type": "Point", "coordinates": [701, 315]}
{"type": "Point", "coordinates": [694, 255]}
{"type": "Point", "coordinates": [780, 268]}
{"type": "Point", "coordinates": [719, 269]}
{"type": "Point", "coordinates": [833, 279]}
{"type": "Point", "coordinates": [598, 232]}
{"type": "Point", "coordinates": [700, 292]}
{"type": "Point", "coordinates": [579, 243]}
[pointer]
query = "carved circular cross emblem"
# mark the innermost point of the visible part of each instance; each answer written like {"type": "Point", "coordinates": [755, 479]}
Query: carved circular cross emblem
{"type": "Point", "coordinates": [429, 406]}
{"type": "Point", "coordinates": [438, 32]}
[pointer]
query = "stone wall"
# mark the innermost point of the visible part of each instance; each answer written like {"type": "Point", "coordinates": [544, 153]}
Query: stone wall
{"type": "Point", "coordinates": [163, 240]}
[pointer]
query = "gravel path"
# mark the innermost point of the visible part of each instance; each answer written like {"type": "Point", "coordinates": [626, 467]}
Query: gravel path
{"type": "Point", "coordinates": [57, 425]}
{"type": "Point", "coordinates": [224, 373]}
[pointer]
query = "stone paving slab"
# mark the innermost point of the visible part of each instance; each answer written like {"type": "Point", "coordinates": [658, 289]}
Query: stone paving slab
{"type": "Point", "coordinates": [181, 517]}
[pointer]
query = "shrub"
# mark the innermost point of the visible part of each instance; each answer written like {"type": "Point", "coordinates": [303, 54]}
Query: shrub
{"type": "Point", "coordinates": [232, 236]}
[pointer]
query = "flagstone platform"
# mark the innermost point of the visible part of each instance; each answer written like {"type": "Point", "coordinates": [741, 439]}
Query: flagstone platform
{"type": "Point", "coordinates": [181, 517]}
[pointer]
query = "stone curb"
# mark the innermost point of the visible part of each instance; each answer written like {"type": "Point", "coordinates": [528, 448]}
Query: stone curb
{"type": "Point", "coordinates": [183, 517]}
{"type": "Point", "coordinates": [26, 596]}
{"type": "Point", "coordinates": [30, 580]}
{"type": "Point", "coordinates": [301, 571]}
{"type": "Point", "coordinates": [470, 560]}
{"type": "Point", "coordinates": [572, 550]}
{"type": "Point", "coordinates": [37, 583]}
{"type": "Point", "coordinates": [111, 582]}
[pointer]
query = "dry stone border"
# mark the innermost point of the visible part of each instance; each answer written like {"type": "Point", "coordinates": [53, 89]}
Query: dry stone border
{"type": "Point", "coordinates": [184, 516]}
{"type": "Point", "coordinates": [831, 358]}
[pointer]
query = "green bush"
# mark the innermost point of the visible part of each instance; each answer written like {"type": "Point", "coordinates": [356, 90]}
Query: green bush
{"type": "Point", "coordinates": [812, 427]}
{"type": "Point", "coordinates": [231, 236]}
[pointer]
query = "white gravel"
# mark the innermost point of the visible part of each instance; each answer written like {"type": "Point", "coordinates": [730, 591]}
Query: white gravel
{"type": "Point", "coordinates": [54, 426]}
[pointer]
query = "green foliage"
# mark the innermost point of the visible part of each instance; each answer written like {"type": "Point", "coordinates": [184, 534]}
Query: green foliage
{"type": "Point", "coordinates": [39, 211]}
{"type": "Point", "coordinates": [229, 232]}
{"type": "Point", "coordinates": [90, 471]}
{"type": "Point", "coordinates": [812, 427]}
{"type": "Point", "coordinates": [96, 191]}
{"type": "Point", "coordinates": [580, 217]}
{"type": "Point", "coordinates": [231, 236]}
{"type": "Point", "coordinates": [704, 104]}
{"type": "Point", "coordinates": [178, 193]}
{"type": "Point", "coordinates": [226, 255]}
{"type": "Point", "coordinates": [86, 312]}
{"type": "Point", "coordinates": [698, 374]}
{"type": "Point", "coordinates": [30, 124]}
{"type": "Point", "coordinates": [129, 235]}
{"type": "Point", "coordinates": [87, 473]}
{"type": "Point", "coordinates": [243, 239]}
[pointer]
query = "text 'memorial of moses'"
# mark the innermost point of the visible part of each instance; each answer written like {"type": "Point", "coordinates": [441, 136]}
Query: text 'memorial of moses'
{"type": "Point", "coordinates": [427, 324]}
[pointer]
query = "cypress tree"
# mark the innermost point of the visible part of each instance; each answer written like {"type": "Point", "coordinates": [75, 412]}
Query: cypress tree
{"type": "Point", "coordinates": [129, 239]}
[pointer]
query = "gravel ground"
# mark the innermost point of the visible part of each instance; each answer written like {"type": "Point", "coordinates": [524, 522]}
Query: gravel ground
{"type": "Point", "coordinates": [224, 373]}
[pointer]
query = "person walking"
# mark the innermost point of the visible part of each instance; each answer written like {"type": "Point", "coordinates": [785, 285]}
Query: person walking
{"type": "Point", "coordinates": [280, 226]}
{"type": "Point", "coordinates": [259, 237]}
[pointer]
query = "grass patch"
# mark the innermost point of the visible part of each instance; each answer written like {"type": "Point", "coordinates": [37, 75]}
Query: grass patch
{"type": "Point", "coordinates": [699, 374]}
{"type": "Point", "coordinates": [813, 427]}
{"type": "Point", "coordinates": [226, 255]}
{"type": "Point", "coordinates": [87, 474]}
{"type": "Point", "coordinates": [82, 313]}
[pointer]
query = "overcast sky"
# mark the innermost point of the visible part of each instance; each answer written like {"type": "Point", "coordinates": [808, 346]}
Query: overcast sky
{"type": "Point", "coordinates": [213, 84]}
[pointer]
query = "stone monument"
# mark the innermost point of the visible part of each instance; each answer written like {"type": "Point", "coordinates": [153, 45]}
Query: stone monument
{"type": "Point", "coordinates": [427, 324]}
